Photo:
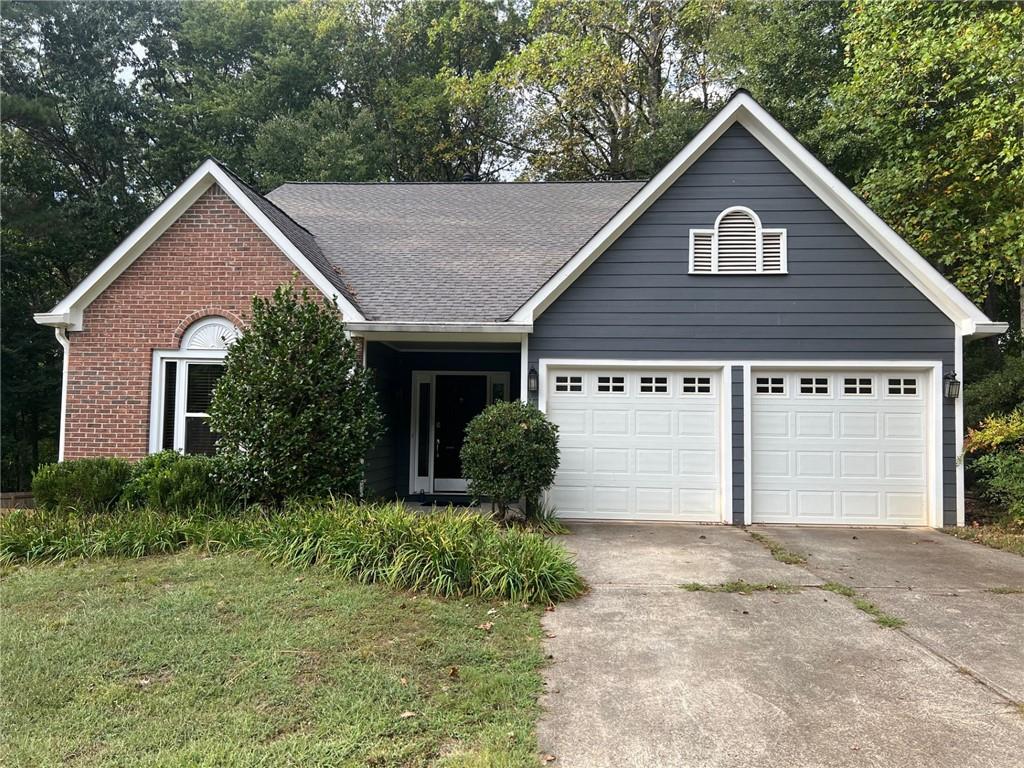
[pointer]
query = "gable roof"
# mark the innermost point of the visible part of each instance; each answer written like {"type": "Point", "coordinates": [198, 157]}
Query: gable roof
{"type": "Point", "coordinates": [743, 109]}
{"type": "Point", "coordinates": [297, 244]}
{"type": "Point", "coordinates": [483, 256]}
{"type": "Point", "coordinates": [454, 252]}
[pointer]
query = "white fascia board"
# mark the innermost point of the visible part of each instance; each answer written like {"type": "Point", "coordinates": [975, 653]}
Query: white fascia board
{"type": "Point", "coordinates": [70, 309]}
{"type": "Point", "coordinates": [743, 109]}
{"type": "Point", "coordinates": [371, 327]}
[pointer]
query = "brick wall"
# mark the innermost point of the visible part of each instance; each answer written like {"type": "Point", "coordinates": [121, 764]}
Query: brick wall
{"type": "Point", "coordinates": [209, 262]}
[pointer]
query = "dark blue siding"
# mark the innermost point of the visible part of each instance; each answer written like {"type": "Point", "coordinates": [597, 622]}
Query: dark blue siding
{"type": "Point", "coordinates": [388, 464]}
{"type": "Point", "coordinates": [839, 300]}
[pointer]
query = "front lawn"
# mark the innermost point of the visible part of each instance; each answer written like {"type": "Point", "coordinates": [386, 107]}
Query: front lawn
{"type": "Point", "coordinates": [193, 660]}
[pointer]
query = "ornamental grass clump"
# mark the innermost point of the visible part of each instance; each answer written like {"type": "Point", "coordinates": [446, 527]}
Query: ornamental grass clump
{"type": "Point", "coordinates": [448, 553]}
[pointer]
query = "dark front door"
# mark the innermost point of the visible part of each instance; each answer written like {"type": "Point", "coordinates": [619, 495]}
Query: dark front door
{"type": "Point", "coordinates": [458, 399]}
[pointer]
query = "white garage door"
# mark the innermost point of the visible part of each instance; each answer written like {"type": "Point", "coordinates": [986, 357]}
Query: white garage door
{"type": "Point", "coordinates": [637, 444]}
{"type": "Point", "coordinates": [846, 447]}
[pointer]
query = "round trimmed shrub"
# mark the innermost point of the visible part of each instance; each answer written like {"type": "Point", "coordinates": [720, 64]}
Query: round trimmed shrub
{"type": "Point", "coordinates": [171, 482]}
{"type": "Point", "coordinates": [86, 486]}
{"type": "Point", "coordinates": [510, 453]}
{"type": "Point", "coordinates": [295, 411]}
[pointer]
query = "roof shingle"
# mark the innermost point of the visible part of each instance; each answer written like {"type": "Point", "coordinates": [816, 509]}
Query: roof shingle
{"type": "Point", "coordinates": [455, 252]}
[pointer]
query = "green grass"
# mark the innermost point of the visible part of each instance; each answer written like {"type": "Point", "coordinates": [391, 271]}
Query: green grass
{"type": "Point", "coordinates": [997, 535]}
{"type": "Point", "coordinates": [447, 553]}
{"type": "Point", "coordinates": [740, 587]}
{"type": "Point", "coordinates": [839, 589]}
{"type": "Point", "coordinates": [225, 660]}
{"type": "Point", "coordinates": [881, 618]}
{"type": "Point", "coordinates": [778, 551]}
{"type": "Point", "coordinates": [1006, 590]}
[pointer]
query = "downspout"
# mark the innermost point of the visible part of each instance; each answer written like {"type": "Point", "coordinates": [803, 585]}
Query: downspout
{"type": "Point", "coordinates": [62, 339]}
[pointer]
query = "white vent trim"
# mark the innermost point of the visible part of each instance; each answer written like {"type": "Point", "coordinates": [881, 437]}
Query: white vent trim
{"type": "Point", "coordinates": [738, 245]}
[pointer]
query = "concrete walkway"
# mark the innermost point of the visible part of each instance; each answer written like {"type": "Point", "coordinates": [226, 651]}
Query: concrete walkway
{"type": "Point", "coordinates": [644, 673]}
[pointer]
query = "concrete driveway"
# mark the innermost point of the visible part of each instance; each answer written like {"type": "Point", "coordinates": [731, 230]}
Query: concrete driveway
{"type": "Point", "coordinates": [644, 673]}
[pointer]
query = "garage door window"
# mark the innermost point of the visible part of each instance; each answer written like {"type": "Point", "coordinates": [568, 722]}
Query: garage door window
{"type": "Point", "coordinates": [611, 384]}
{"type": "Point", "coordinates": [696, 385]}
{"type": "Point", "coordinates": [858, 386]}
{"type": "Point", "coordinates": [654, 385]}
{"type": "Point", "coordinates": [770, 385]}
{"type": "Point", "coordinates": [813, 385]}
{"type": "Point", "coordinates": [903, 387]}
{"type": "Point", "coordinates": [569, 384]}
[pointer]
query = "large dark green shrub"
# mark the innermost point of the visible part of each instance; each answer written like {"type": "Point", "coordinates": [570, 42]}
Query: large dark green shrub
{"type": "Point", "coordinates": [86, 486]}
{"type": "Point", "coordinates": [995, 393]}
{"type": "Point", "coordinates": [170, 482]}
{"type": "Point", "coordinates": [295, 410]}
{"type": "Point", "coordinates": [510, 453]}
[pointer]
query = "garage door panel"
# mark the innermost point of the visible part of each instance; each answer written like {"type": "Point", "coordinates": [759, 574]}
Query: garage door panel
{"type": "Point", "coordinates": [857, 457]}
{"type": "Point", "coordinates": [638, 453]}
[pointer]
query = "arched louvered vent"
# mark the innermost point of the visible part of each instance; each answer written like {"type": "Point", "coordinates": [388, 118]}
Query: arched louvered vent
{"type": "Point", "coordinates": [210, 333]}
{"type": "Point", "coordinates": [737, 242]}
{"type": "Point", "coordinates": [737, 245]}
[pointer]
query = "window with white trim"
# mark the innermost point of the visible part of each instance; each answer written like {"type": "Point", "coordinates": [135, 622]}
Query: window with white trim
{"type": "Point", "coordinates": [738, 245]}
{"type": "Point", "coordinates": [184, 386]}
{"type": "Point", "coordinates": [902, 386]}
{"type": "Point", "coordinates": [568, 383]}
{"type": "Point", "coordinates": [696, 385]}
{"type": "Point", "coordinates": [858, 385]}
{"type": "Point", "coordinates": [770, 385]}
{"type": "Point", "coordinates": [813, 385]}
{"type": "Point", "coordinates": [611, 384]}
{"type": "Point", "coordinates": [654, 385]}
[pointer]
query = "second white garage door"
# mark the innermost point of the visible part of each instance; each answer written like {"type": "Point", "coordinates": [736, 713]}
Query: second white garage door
{"type": "Point", "coordinates": [637, 444]}
{"type": "Point", "coordinates": [847, 447]}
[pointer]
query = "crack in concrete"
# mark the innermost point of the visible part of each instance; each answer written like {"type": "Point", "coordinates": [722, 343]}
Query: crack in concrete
{"type": "Point", "coordinates": [963, 669]}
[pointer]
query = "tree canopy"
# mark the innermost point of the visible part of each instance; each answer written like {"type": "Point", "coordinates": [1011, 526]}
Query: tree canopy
{"type": "Point", "coordinates": [107, 106]}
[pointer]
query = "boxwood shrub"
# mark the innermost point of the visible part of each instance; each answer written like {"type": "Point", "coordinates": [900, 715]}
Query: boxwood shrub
{"type": "Point", "coordinates": [171, 482]}
{"type": "Point", "coordinates": [86, 486]}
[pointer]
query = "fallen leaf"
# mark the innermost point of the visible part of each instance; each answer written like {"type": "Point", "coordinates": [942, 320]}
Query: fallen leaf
{"type": "Point", "coordinates": [407, 714]}
{"type": "Point", "coordinates": [550, 634]}
{"type": "Point", "coordinates": [492, 611]}
{"type": "Point", "coordinates": [487, 626]}
{"type": "Point", "coordinates": [404, 681]}
{"type": "Point", "coordinates": [550, 608]}
{"type": "Point", "coordinates": [453, 672]}
{"type": "Point", "coordinates": [548, 758]}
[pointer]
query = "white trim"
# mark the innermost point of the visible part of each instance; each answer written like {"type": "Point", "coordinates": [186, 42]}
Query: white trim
{"type": "Point", "coordinates": [524, 368]}
{"type": "Point", "coordinates": [69, 311]}
{"type": "Point", "coordinates": [157, 387]}
{"type": "Point", "coordinates": [724, 393]}
{"type": "Point", "coordinates": [933, 415]}
{"type": "Point", "coordinates": [748, 451]}
{"type": "Point", "coordinates": [506, 335]}
{"type": "Point", "coordinates": [62, 339]}
{"type": "Point", "coordinates": [743, 109]}
{"type": "Point", "coordinates": [376, 326]}
{"type": "Point", "coordinates": [430, 377]}
{"type": "Point", "coordinates": [958, 420]}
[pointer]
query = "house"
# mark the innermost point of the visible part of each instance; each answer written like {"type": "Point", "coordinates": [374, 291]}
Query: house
{"type": "Point", "coordinates": [738, 339]}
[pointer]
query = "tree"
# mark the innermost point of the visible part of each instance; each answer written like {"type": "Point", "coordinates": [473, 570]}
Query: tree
{"type": "Point", "coordinates": [295, 411]}
{"type": "Point", "coordinates": [72, 139]}
{"type": "Point", "coordinates": [930, 123]}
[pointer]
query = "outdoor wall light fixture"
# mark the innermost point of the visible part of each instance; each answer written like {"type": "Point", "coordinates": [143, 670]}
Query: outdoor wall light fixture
{"type": "Point", "coordinates": [951, 385]}
{"type": "Point", "coordinates": [532, 381]}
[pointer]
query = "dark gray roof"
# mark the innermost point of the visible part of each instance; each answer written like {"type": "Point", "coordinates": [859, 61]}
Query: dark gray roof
{"type": "Point", "coordinates": [456, 252]}
{"type": "Point", "coordinates": [298, 235]}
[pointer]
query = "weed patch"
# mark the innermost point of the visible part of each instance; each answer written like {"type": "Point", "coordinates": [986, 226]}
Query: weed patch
{"type": "Point", "coordinates": [881, 618]}
{"type": "Point", "coordinates": [778, 551]}
{"type": "Point", "coordinates": [839, 589]}
{"type": "Point", "coordinates": [1006, 590]}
